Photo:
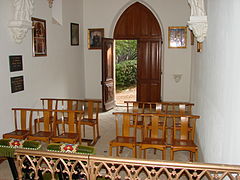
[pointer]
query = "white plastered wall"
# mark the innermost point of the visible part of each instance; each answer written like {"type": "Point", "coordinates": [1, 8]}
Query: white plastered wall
{"type": "Point", "coordinates": [74, 71]}
{"type": "Point", "coordinates": [215, 84]}
{"type": "Point", "coordinates": [59, 74]}
{"type": "Point", "coordinates": [104, 14]}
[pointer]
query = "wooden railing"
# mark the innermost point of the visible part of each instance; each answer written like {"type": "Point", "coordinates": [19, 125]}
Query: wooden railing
{"type": "Point", "coordinates": [75, 166]}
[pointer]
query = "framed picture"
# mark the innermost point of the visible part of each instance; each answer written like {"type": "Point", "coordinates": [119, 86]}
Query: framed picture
{"type": "Point", "coordinates": [17, 84]}
{"type": "Point", "coordinates": [95, 38]}
{"type": "Point", "coordinates": [39, 37]}
{"type": "Point", "coordinates": [177, 37]}
{"type": "Point", "coordinates": [74, 34]}
{"type": "Point", "coordinates": [15, 63]}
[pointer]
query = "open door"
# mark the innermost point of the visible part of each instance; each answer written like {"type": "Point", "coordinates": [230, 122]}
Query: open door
{"type": "Point", "coordinates": [149, 70]}
{"type": "Point", "coordinates": [107, 74]}
{"type": "Point", "coordinates": [138, 22]}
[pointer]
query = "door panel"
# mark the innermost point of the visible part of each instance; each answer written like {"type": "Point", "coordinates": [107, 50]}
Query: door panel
{"type": "Point", "coordinates": [149, 70]}
{"type": "Point", "coordinates": [107, 74]}
{"type": "Point", "coordinates": [137, 21]}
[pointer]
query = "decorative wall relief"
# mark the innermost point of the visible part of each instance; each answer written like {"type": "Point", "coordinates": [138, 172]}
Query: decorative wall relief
{"type": "Point", "coordinates": [198, 19]}
{"type": "Point", "coordinates": [21, 23]}
{"type": "Point", "coordinates": [50, 2]}
{"type": "Point", "coordinates": [177, 77]}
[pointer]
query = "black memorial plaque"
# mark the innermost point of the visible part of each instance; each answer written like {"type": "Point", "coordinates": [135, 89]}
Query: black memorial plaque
{"type": "Point", "coordinates": [15, 63]}
{"type": "Point", "coordinates": [17, 84]}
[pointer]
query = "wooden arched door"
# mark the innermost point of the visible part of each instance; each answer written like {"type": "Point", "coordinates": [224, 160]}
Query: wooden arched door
{"type": "Point", "coordinates": [138, 22]}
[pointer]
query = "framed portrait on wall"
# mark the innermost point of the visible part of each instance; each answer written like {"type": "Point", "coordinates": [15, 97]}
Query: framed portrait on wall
{"type": "Point", "coordinates": [74, 34]}
{"type": "Point", "coordinates": [177, 37]}
{"type": "Point", "coordinates": [95, 38]}
{"type": "Point", "coordinates": [39, 37]}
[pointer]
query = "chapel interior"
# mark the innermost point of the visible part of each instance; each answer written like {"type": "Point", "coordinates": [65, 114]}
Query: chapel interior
{"type": "Point", "coordinates": [205, 72]}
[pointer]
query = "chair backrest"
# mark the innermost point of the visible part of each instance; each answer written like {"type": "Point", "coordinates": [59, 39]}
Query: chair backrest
{"type": "Point", "coordinates": [124, 126]}
{"type": "Point", "coordinates": [71, 125]}
{"type": "Point", "coordinates": [156, 124]}
{"type": "Point", "coordinates": [186, 131]}
{"type": "Point", "coordinates": [143, 107]}
{"type": "Point", "coordinates": [58, 103]}
{"type": "Point", "coordinates": [43, 115]}
{"type": "Point", "coordinates": [91, 108]}
{"type": "Point", "coordinates": [22, 118]}
{"type": "Point", "coordinates": [177, 107]}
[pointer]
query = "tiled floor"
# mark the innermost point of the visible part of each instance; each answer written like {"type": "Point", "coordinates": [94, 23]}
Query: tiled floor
{"type": "Point", "coordinates": [107, 132]}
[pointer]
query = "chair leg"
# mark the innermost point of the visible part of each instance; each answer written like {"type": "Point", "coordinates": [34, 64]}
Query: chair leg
{"type": "Point", "coordinates": [110, 150]}
{"type": "Point", "coordinates": [196, 155]}
{"type": "Point", "coordinates": [121, 149]}
{"type": "Point", "coordinates": [84, 131]}
{"type": "Point", "coordinates": [163, 154]}
{"type": "Point", "coordinates": [117, 151]}
{"type": "Point", "coordinates": [191, 156]}
{"type": "Point", "coordinates": [94, 135]}
{"type": "Point", "coordinates": [98, 134]}
{"type": "Point", "coordinates": [144, 153]}
{"type": "Point", "coordinates": [140, 152]}
{"type": "Point", "coordinates": [134, 151]}
{"type": "Point", "coordinates": [155, 151]}
{"type": "Point", "coordinates": [171, 154]}
{"type": "Point", "coordinates": [35, 126]}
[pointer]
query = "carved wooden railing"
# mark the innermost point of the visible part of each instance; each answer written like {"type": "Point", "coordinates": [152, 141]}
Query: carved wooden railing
{"type": "Point", "coordinates": [74, 166]}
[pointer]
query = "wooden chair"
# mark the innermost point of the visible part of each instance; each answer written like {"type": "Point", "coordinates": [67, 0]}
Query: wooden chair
{"type": "Point", "coordinates": [46, 117]}
{"type": "Point", "coordinates": [22, 119]}
{"type": "Point", "coordinates": [154, 135]}
{"type": "Point", "coordinates": [66, 104]}
{"type": "Point", "coordinates": [57, 104]}
{"type": "Point", "coordinates": [49, 104]}
{"type": "Point", "coordinates": [127, 138]}
{"type": "Point", "coordinates": [183, 139]}
{"type": "Point", "coordinates": [91, 118]}
{"type": "Point", "coordinates": [143, 107]}
{"type": "Point", "coordinates": [177, 108]}
{"type": "Point", "coordinates": [70, 131]}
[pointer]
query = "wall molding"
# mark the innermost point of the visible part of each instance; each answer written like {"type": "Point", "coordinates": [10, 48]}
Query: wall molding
{"type": "Point", "coordinates": [198, 20]}
{"type": "Point", "coordinates": [21, 23]}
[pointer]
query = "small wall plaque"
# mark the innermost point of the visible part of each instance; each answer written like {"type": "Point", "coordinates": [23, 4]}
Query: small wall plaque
{"type": "Point", "coordinates": [15, 63]}
{"type": "Point", "coordinates": [17, 84]}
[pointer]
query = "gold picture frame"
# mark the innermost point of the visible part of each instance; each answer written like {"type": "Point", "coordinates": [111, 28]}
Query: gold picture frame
{"type": "Point", "coordinates": [177, 37]}
{"type": "Point", "coordinates": [95, 38]}
{"type": "Point", "coordinates": [39, 41]}
{"type": "Point", "coordinates": [199, 46]}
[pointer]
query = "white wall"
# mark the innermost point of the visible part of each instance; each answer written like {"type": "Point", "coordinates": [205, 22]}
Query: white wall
{"type": "Point", "coordinates": [75, 71]}
{"type": "Point", "coordinates": [216, 87]}
{"type": "Point", "coordinates": [105, 13]}
{"type": "Point", "coordinates": [59, 74]}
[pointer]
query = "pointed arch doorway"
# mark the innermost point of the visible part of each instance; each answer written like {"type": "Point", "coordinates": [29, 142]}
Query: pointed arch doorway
{"type": "Point", "coordinates": [138, 22]}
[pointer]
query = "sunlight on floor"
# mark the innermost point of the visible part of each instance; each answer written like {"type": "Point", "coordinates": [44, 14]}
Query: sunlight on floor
{"type": "Point", "coordinates": [126, 95]}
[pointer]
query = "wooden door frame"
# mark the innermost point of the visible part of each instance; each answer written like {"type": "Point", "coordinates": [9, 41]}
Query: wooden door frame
{"type": "Point", "coordinates": [108, 95]}
{"type": "Point", "coordinates": [138, 22]}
